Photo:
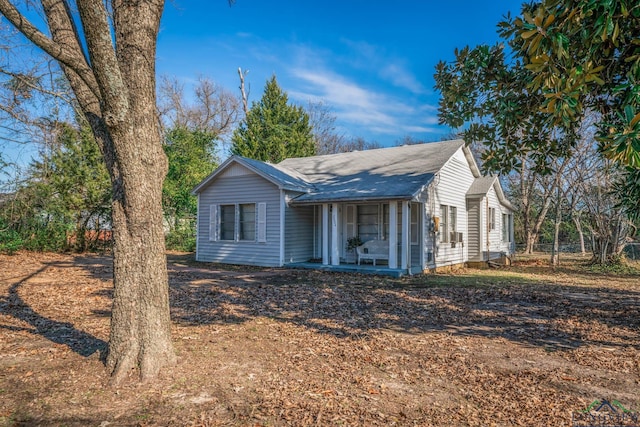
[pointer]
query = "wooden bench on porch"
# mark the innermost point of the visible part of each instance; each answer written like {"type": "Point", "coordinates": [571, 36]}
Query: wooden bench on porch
{"type": "Point", "coordinates": [373, 250]}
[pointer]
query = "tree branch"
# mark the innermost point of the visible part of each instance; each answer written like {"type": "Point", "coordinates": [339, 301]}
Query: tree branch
{"type": "Point", "coordinates": [97, 31]}
{"type": "Point", "coordinates": [72, 59]}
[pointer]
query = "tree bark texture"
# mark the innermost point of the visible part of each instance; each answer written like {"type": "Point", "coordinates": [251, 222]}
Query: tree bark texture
{"type": "Point", "coordinates": [116, 90]}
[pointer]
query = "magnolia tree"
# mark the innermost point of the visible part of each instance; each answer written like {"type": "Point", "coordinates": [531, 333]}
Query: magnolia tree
{"type": "Point", "coordinates": [583, 56]}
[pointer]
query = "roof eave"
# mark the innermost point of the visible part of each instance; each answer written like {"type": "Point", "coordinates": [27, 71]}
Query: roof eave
{"type": "Point", "coordinates": [350, 200]}
{"type": "Point", "coordinates": [239, 159]}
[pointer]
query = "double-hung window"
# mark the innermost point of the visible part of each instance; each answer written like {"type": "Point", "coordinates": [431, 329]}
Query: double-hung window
{"type": "Point", "coordinates": [247, 222]}
{"type": "Point", "coordinates": [507, 221]}
{"type": "Point", "coordinates": [453, 223]}
{"type": "Point", "coordinates": [448, 223]}
{"type": "Point", "coordinates": [227, 222]}
{"type": "Point", "coordinates": [444, 223]}
{"type": "Point", "coordinates": [239, 222]}
{"type": "Point", "coordinates": [492, 218]}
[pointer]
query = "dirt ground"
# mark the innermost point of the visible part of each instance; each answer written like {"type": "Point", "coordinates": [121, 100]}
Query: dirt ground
{"type": "Point", "coordinates": [268, 347]}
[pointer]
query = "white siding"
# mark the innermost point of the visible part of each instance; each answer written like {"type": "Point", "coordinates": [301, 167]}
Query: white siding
{"type": "Point", "coordinates": [496, 245]}
{"type": "Point", "coordinates": [474, 234]}
{"type": "Point", "coordinates": [240, 187]}
{"type": "Point", "coordinates": [503, 246]}
{"type": "Point", "coordinates": [299, 229]}
{"type": "Point", "coordinates": [234, 170]}
{"type": "Point", "coordinates": [491, 243]}
{"type": "Point", "coordinates": [495, 235]}
{"type": "Point", "coordinates": [451, 187]}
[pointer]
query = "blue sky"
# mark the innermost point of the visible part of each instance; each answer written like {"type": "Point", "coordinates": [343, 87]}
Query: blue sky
{"type": "Point", "coordinates": [372, 62]}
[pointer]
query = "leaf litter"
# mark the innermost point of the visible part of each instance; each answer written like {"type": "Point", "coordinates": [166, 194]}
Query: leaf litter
{"type": "Point", "coordinates": [263, 347]}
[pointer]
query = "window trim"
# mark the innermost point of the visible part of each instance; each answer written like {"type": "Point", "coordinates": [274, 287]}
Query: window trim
{"type": "Point", "coordinates": [216, 222]}
{"type": "Point", "coordinates": [414, 226]}
{"type": "Point", "coordinates": [507, 225]}
{"type": "Point", "coordinates": [444, 224]}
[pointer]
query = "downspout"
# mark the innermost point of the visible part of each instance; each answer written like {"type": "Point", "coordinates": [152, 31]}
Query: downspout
{"type": "Point", "coordinates": [283, 206]}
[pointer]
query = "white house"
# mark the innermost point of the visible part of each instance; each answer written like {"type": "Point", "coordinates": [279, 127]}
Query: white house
{"type": "Point", "coordinates": [419, 207]}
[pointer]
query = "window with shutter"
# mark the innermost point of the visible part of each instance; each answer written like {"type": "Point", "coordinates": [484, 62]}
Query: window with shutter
{"type": "Point", "coordinates": [262, 222]}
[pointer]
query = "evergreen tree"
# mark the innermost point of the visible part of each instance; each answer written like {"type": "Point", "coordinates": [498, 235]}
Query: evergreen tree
{"type": "Point", "coordinates": [273, 130]}
{"type": "Point", "coordinates": [66, 194]}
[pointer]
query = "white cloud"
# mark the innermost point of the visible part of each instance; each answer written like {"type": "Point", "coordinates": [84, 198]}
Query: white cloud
{"type": "Point", "coordinates": [402, 78]}
{"type": "Point", "coordinates": [335, 88]}
{"type": "Point", "coordinates": [394, 70]}
{"type": "Point", "coordinates": [372, 95]}
{"type": "Point", "coordinates": [375, 111]}
{"type": "Point", "coordinates": [419, 129]}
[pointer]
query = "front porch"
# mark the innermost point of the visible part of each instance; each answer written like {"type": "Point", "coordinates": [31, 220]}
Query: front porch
{"type": "Point", "coordinates": [396, 225]}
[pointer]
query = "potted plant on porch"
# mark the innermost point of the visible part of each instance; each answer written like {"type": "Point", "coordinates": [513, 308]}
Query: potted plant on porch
{"type": "Point", "coordinates": [352, 244]}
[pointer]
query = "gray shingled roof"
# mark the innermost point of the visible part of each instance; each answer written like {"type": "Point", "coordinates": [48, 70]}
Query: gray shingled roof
{"type": "Point", "coordinates": [283, 179]}
{"type": "Point", "coordinates": [481, 186]}
{"type": "Point", "coordinates": [289, 180]}
{"type": "Point", "coordinates": [385, 173]}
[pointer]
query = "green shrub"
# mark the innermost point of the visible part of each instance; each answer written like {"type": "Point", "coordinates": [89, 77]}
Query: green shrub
{"type": "Point", "coordinates": [182, 239]}
{"type": "Point", "coordinates": [10, 241]}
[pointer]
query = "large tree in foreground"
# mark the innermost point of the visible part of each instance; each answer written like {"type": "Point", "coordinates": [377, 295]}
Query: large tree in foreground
{"type": "Point", "coordinates": [273, 130]}
{"type": "Point", "coordinates": [108, 56]}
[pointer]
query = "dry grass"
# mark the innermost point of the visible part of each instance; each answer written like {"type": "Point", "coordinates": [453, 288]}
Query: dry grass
{"type": "Point", "coordinates": [520, 346]}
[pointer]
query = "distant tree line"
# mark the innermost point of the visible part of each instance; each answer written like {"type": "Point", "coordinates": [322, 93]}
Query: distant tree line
{"type": "Point", "coordinates": [61, 201]}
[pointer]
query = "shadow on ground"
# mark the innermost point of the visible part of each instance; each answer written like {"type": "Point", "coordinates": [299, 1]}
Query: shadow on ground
{"type": "Point", "coordinates": [552, 316]}
{"type": "Point", "coordinates": [12, 304]}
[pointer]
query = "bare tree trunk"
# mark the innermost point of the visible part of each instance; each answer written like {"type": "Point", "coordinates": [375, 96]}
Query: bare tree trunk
{"type": "Point", "coordinates": [578, 224]}
{"type": "Point", "coordinates": [531, 239]}
{"type": "Point", "coordinates": [531, 224]}
{"type": "Point", "coordinates": [555, 251]}
{"type": "Point", "coordinates": [115, 88]}
{"type": "Point", "coordinates": [245, 100]}
{"type": "Point", "coordinates": [140, 326]}
{"type": "Point", "coordinates": [526, 210]}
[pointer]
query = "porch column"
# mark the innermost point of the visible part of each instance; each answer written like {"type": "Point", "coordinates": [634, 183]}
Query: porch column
{"type": "Point", "coordinates": [325, 234]}
{"type": "Point", "coordinates": [335, 249]}
{"type": "Point", "coordinates": [393, 235]}
{"type": "Point", "coordinates": [405, 235]}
